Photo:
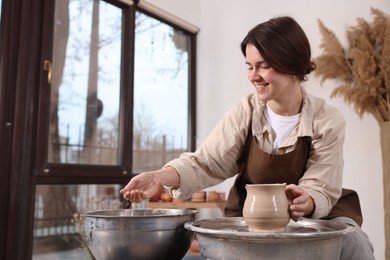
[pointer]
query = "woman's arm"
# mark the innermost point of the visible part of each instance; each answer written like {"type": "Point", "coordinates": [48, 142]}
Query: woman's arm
{"type": "Point", "coordinates": [324, 168]}
{"type": "Point", "coordinates": [213, 162]}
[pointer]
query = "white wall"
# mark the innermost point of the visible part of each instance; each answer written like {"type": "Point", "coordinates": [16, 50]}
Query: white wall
{"type": "Point", "coordinates": [222, 80]}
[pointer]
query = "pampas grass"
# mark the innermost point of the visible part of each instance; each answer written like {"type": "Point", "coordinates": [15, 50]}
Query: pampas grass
{"type": "Point", "coordinates": [362, 70]}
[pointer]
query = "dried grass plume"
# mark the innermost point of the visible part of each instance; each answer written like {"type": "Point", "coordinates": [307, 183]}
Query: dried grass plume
{"type": "Point", "coordinates": [363, 69]}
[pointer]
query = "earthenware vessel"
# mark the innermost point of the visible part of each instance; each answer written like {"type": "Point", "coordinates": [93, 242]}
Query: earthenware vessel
{"type": "Point", "coordinates": [212, 196]}
{"type": "Point", "coordinates": [266, 207]}
{"type": "Point", "coordinates": [199, 196]}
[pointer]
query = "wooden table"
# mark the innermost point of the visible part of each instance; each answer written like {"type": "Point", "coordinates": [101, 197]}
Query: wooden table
{"type": "Point", "coordinates": [188, 204]}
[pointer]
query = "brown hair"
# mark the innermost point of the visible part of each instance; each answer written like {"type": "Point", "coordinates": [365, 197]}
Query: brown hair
{"type": "Point", "coordinates": [283, 44]}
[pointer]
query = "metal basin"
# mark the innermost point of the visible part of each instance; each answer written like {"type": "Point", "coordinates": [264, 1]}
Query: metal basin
{"type": "Point", "coordinates": [139, 233]}
{"type": "Point", "coordinates": [229, 238]}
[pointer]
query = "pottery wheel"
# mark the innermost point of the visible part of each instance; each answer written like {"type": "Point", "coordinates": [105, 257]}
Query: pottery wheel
{"type": "Point", "coordinates": [237, 227]}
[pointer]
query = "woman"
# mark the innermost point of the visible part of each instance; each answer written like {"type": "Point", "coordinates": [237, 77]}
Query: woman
{"type": "Point", "coordinates": [279, 134]}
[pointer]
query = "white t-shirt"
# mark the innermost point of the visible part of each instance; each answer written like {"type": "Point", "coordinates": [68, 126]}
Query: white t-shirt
{"type": "Point", "coordinates": [281, 126]}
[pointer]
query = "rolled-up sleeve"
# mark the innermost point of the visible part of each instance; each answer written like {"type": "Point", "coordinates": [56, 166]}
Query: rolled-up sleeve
{"type": "Point", "coordinates": [216, 158]}
{"type": "Point", "coordinates": [324, 168]}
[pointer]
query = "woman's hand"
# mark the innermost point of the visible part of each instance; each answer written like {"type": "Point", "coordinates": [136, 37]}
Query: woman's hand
{"type": "Point", "coordinates": [301, 204]}
{"type": "Point", "coordinates": [147, 184]}
{"type": "Point", "coordinates": [141, 187]}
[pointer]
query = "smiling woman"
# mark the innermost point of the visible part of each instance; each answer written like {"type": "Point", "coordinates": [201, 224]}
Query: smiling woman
{"type": "Point", "coordinates": [250, 142]}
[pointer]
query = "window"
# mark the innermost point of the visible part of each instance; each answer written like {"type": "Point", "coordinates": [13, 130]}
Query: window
{"type": "Point", "coordinates": [160, 125]}
{"type": "Point", "coordinates": [117, 98]}
{"type": "Point", "coordinates": [85, 85]}
{"type": "Point", "coordinates": [121, 91]}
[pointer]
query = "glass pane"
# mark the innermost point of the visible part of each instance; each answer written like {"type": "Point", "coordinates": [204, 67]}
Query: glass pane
{"type": "Point", "coordinates": [160, 93]}
{"type": "Point", "coordinates": [58, 223]}
{"type": "Point", "coordinates": [84, 114]}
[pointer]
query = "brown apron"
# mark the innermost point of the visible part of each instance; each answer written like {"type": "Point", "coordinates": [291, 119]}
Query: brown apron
{"type": "Point", "coordinates": [257, 166]}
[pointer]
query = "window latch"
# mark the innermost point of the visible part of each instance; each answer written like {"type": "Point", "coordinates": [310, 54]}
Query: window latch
{"type": "Point", "coordinates": [47, 66]}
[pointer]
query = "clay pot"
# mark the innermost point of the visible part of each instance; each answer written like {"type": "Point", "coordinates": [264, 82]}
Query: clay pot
{"type": "Point", "coordinates": [221, 196]}
{"type": "Point", "coordinates": [213, 196]}
{"type": "Point", "coordinates": [266, 207]}
{"type": "Point", "coordinates": [199, 196]}
{"type": "Point", "coordinates": [194, 246]}
{"type": "Point", "coordinates": [166, 197]}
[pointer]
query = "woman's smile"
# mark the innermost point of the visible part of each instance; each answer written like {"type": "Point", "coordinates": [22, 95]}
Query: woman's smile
{"type": "Point", "coordinates": [260, 87]}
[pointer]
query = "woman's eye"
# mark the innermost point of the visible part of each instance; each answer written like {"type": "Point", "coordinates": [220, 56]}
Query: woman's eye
{"type": "Point", "coordinates": [264, 66]}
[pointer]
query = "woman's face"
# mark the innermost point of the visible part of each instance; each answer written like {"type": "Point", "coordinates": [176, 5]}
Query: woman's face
{"type": "Point", "coordinates": [269, 84]}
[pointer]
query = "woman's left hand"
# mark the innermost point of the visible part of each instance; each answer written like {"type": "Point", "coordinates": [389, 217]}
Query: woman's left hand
{"type": "Point", "coordinates": [300, 201]}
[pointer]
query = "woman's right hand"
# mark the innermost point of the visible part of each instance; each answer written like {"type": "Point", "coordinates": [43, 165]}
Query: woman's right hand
{"type": "Point", "coordinates": [141, 187]}
{"type": "Point", "coordinates": [148, 184]}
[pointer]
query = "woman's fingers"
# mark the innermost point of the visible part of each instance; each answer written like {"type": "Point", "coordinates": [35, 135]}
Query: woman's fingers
{"type": "Point", "coordinates": [129, 187]}
{"type": "Point", "coordinates": [300, 201]}
{"type": "Point", "coordinates": [136, 196]}
{"type": "Point", "coordinates": [140, 188]}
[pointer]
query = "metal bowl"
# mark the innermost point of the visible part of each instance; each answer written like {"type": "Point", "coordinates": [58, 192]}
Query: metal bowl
{"type": "Point", "coordinates": [139, 233]}
{"type": "Point", "coordinates": [229, 238]}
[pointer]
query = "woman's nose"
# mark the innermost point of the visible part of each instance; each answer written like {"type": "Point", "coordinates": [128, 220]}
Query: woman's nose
{"type": "Point", "coordinates": [254, 76]}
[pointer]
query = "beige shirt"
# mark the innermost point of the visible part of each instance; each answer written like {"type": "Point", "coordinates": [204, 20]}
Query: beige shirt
{"type": "Point", "coordinates": [215, 159]}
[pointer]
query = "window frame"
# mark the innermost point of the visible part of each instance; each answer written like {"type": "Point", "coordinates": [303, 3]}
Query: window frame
{"type": "Point", "coordinates": [58, 173]}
